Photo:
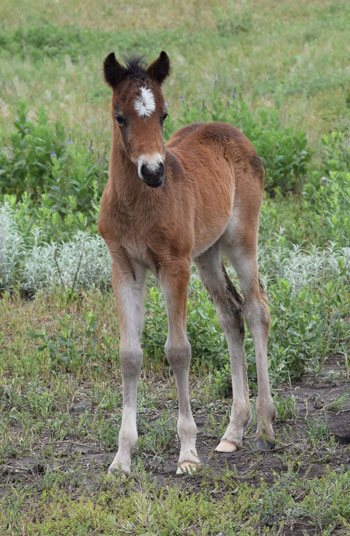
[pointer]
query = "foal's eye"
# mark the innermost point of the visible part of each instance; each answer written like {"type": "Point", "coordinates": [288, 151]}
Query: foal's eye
{"type": "Point", "coordinates": [164, 116]}
{"type": "Point", "coordinates": [120, 119]}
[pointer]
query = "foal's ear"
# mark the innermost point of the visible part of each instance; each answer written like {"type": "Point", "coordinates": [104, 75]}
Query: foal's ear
{"type": "Point", "coordinates": [160, 69]}
{"type": "Point", "coordinates": [113, 71]}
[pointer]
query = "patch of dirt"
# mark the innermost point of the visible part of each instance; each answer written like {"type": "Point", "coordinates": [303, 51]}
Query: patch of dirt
{"type": "Point", "coordinates": [317, 438]}
{"type": "Point", "coordinates": [319, 434]}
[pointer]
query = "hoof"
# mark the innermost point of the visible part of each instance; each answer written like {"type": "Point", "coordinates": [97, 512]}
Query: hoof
{"type": "Point", "coordinates": [264, 444]}
{"type": "Point", "coordinates": [226, 446]}
{"type": "Point", "coordinates": [114, 470]}
{"type": "Point", "coordinates": [187, 468]}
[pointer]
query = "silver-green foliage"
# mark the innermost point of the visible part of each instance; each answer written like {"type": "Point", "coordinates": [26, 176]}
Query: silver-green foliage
{"type": "Point", "coordinates": [36, 263]}
{"type": "Point", "coordinates": [301, 267]}
{"type": "Point", "coordinates": [82, 262]}
{"type": "Point", "coordinates": [11, 247]}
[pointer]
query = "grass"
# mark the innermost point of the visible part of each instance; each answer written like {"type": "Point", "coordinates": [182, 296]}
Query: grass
{"type": "Point", "coordinates": [282, 60]}
{"type": "Point", "coordinates": [60, 401]}
{"type": "Point", "coordinates": [60, 381]}
{"type": "Point", "coordinates": [240, 510]}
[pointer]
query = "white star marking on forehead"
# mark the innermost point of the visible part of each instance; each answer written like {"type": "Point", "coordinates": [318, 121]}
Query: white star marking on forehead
{"type": "Point", "coordinates": [145, 104]}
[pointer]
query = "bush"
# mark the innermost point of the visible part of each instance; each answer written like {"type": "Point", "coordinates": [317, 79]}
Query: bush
{"type": "Point", "coordinates": [30, 263]}
{"type": "Point", "coordinates": [40, 163]}
{"type": "Point", "coordinates": [307, 293]}
{"type": "Point", "coordinates": [11, 249]}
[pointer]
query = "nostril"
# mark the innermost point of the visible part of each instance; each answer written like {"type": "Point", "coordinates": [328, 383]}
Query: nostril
{"type": "Point", "coordinates": [152, 171]}
{"type": "Point", "coordinates": [143, 170]}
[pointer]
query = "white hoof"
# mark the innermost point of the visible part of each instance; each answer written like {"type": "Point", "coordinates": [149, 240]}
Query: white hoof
{"type": "Point", "coordinates": [114, 469]}
{"type": "Point", "coordinates": [226, 446]}
{"type": "Point", "coordinates": [187, 467]}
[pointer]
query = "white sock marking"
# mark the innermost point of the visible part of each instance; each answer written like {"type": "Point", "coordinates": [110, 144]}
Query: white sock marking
{"type": "Point", "coordinates": [145, 104]}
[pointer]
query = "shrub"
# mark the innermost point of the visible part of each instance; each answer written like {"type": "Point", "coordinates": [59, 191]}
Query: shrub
{"type": "Point", "coordinates": [31, 264]}
{"type": "Point", "coordinates": [41, 162]}
{"type": "Point", "coordinates": [82, 262]}
{"type": "Point", "coordinates": [32, 218]}
{"type": "Point", "coordinates": [322, 215]}
{"type": "Point", "coordinates": [307, 293]}
{"type": "Point", "coordinates": [11, 248]}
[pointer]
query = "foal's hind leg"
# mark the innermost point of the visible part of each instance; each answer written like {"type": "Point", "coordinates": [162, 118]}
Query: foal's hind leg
{"type": "Point", "coordinates": [228, 305]}
{"type": "Point", "coordinates": [255, 308]}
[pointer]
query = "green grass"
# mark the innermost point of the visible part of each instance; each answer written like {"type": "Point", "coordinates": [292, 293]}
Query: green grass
{"type": "Point", "coordinates": [140, 508]}
{"type": "Point", "coordinates": [277, 69]}
{"type": "Point", "coordinates": [60, 398]}
{"type": "Point", "coordinates": [290, 57]}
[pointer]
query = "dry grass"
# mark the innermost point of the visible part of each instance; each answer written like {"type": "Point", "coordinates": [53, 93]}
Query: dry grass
{"type": "Point", "coordinates": [113, 16]}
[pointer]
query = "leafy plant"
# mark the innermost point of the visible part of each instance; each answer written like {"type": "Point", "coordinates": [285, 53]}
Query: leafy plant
{"type": "Point", "coordinates": [286, 407]}
{"type": "Point", "coordinates": [39, 162]}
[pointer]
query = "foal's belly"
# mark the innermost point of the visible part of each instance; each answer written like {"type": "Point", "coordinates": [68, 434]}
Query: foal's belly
{"type": "Point", "coordinates": [209, 230]}
{"type": "Point", "coordinates": [204, 242]}
{"type": "Point", "coordinates": [213, 216]}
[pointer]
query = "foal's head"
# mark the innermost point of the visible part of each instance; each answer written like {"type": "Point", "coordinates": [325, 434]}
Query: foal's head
{"type": "Point", "coordinates": [139, 112]}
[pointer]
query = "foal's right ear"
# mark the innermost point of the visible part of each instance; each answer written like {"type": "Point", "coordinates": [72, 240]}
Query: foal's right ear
{"type": "Point", "coordinates": [113, 71]}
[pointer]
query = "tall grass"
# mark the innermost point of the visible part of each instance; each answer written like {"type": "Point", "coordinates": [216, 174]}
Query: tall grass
{"type": "Point", "coordinates": [283, 61]}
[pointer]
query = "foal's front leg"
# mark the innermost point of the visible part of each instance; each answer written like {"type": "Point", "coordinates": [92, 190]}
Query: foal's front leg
{"type": "Point", "coordinates": [174, 280]}
{"type": "Point", "coordinates": [129, 291]}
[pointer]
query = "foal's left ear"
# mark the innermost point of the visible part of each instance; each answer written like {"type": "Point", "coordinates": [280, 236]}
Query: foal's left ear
{"type": "Point", "coordinates": [160, 69]}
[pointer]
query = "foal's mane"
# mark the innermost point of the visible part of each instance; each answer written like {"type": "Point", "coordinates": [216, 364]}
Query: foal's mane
{"type": "Point", "coordinates": [136, 67]}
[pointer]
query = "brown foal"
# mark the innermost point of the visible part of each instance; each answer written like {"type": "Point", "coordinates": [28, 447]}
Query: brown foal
{"type": "Point", "coordinates": [163, 206]}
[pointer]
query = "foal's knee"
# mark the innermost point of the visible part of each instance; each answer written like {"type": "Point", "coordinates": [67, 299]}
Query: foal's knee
{"type": "Point", "coordinates": [130, 361]}
{"type": "Point", "coordinates": [178, 355]}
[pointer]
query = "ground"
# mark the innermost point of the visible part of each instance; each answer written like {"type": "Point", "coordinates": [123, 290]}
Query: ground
{"type": "Point", "coordinates": [312, 440]}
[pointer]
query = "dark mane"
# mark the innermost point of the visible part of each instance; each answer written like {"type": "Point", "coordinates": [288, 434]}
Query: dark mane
{"type": "Point", "coordinates": [136, 67]}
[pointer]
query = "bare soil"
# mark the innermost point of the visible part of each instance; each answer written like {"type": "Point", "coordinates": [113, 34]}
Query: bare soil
{"type": "Point", "coordinates": [316, 439]}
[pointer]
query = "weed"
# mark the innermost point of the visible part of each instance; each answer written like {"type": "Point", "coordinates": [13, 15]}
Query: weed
{"type": "Point", "coordinates": [338, 404]}
{"type": "Point", "coordinates": [41, 162]}
{"type": "Point", "coordinates": [286, 408]}
{"type": "Point", "coordinates": [158, 436]}
{"type": "Point", "coordinates": [317, 430]}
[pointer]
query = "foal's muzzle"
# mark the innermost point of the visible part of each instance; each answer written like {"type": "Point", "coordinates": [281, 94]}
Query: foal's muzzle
{"type": "Point", "coordinates": [152, 175]}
